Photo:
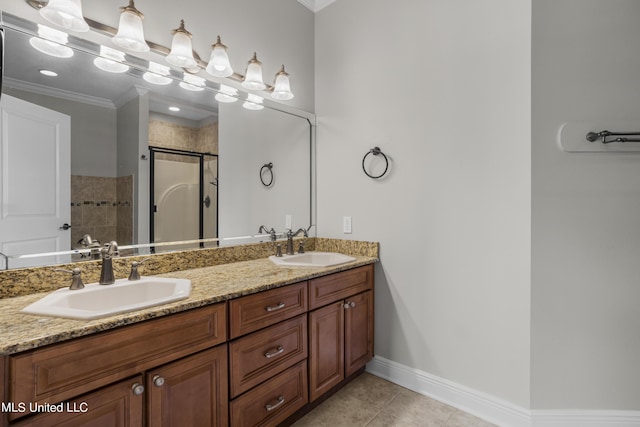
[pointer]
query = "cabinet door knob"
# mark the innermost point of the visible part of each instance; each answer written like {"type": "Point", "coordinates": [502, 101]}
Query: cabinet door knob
{"type": "Point", "coordinates": [352, 304]}
{"type": "Point", "coordinates": [270, 407]}
{"type": "Point", "coordinates": [271, 353]}
{"type": "Point", "coordinates": [158, 381]}
{"type": "Point", "coordinates": [137, 389]}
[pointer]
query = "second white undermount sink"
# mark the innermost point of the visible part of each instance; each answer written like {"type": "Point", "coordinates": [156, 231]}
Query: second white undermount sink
{"type": "Point", "coordinates": [95, 301]}
{"type": "Point", "coordinates": [312, 259]}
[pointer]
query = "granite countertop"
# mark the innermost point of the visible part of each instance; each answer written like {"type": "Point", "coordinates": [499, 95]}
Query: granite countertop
{"type": "Point", "coordinates": [209, 285]}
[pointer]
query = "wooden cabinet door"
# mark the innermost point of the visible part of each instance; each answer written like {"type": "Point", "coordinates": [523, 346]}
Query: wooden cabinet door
{"type": "Point", "coordinates": [190, 392]}
{"type": "Point", "coordinates": [358, 331]}
{"type": "Point", "coordinates": [115, 406]}
{"type": "Point", "coordinates": [326, 349]}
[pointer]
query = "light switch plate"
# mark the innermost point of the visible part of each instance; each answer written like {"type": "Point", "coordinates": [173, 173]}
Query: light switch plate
{"type": "Point", "coordinates": [287, 221]}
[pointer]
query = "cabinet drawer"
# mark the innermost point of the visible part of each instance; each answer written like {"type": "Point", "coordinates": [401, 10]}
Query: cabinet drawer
{"type": "Point", "coordinates": [61, 371]}
{"type": "Point", "coordinates": [257, 311]}
{"type": "Point", "coordinates": [332, 288]}
{"type": "Point", "coordinates": [260, 355]}
{"type": "Point", "coordinates": [273, 401]}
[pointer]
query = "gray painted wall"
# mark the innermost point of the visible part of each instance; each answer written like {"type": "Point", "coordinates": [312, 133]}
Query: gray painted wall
{"type": "Point", "coordinates": [443, 88]}
{"type": "Point", "coordinates": [93, 133]}
{"type": "Point", "coordinates": [586, 209]}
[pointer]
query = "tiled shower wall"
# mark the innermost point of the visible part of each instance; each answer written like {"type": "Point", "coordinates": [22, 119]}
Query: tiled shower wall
{"type": "Point", "coordinates": [102, 207]}
{"type": "Point", "coordinates": [171, 135]}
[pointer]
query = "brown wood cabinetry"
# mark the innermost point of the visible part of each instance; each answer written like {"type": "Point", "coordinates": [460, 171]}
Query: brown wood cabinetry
{"type": "Point", "coordinates": [261, 362]}
{"type": "Point", "coordinates": [273, 401]}
{"type": "Point", "coordinates": [190, 392]}
{"type": "Point", "coordinates": [117, 405]}
{"type": "Point", "coordinates": [253, 312]}
{"type": "Point", "coordinates": [267, 367]}
{"type": "Point", "coordinates": [60, 372]}
{"type": "Point", "coordinates": [257, 357]}
{"type": "Point", "coordinates": [340, 332]}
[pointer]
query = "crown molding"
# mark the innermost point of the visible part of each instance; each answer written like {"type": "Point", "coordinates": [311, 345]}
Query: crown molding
{"type": "Point", "coordinates": [58, 93]}
{"type": "Point", "coordinates": [316, 5]}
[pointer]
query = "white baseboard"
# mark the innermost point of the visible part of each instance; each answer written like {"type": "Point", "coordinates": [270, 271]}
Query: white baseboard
{"type": "Point", "coordinates": [491, 408]}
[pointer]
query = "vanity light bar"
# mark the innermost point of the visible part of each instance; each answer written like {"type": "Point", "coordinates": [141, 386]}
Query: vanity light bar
{"type": "Point", "coordinates": [163, 50]}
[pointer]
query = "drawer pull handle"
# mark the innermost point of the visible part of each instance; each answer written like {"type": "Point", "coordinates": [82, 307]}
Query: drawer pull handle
{"type": "Point", "coordinates": [137, 389]}
{"type": "Point", "coordinates": [158, 381]}
{"type": "Point", "coordinates": [270, 407]}
{"type": "Point", "coordinates": [275, 307]}
{"type": "Point", "coordinates": [278, 350]}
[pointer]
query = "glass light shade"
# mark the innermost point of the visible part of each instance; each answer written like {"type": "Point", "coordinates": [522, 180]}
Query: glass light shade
{"type": "Point", "coordinates": [253, 76]}
{"type": "Point", "coordinates": [281, 87]}
{"type": "Point", "coordinates": [157, 74]}
{"type": "Point", "coordinates": [193, 83]}
{"type": "Point", "coordinates": [109, 60]}
{"type": "Point", "coordinates": [51, 42]}
{"type": "Point", "coordinates": [219, 64]}
{"type": "Point", "coordinates": [226, 94]}
{"type": "Point", "coordinates": [130, 32]}
{"type": "Point", "coordinates": [181, 54]}
{"type": "Point", "coordinates": [253, 102]}
{"type": "Point", "coordinates": [65, 13]}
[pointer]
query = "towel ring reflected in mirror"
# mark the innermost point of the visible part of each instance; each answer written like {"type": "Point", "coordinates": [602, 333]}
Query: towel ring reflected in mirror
{"type": "Point", "coordinates": [266, 169]}
{"type": "Point", "coordinates": [376, 151]}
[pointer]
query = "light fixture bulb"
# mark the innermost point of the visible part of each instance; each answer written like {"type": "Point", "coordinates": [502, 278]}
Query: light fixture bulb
{"type": "Point", "coordinates": [181, 54]}
{"type": "Point", "coordinates": [48, 73]}
{"type": "Point", "coordinates": [253, 76]}
{"type": "Point", "coordinates": [226, 94]}
{"type": "Point", "coordinates": [281, 87]}
{"type": "Point", "coordinates": [65, 13]}
{"type": "Point", "coordinates": [130, 32]}
{"type": "Point", "coordinates": [157, 74]}
{"type": "Point", "coordinates": [253, 102]}
{"type": "Point", "coordinates": [110, 61]}
{"type": "Point", "coordinates": [193, 83]}
{"type": "Point", "coordinates": [51, 42]}
{"type": "Point", "coordinates": [219, 64]}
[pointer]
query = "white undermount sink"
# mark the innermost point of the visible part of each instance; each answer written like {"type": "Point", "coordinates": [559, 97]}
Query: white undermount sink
{"type": "Point", "coordinates": [312, 259]}
{"type": "Point", "coordinates": [95, 301]}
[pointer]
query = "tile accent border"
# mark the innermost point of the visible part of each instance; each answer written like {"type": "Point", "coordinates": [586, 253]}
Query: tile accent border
{"type": "Point", "coordinates": [491, 408]}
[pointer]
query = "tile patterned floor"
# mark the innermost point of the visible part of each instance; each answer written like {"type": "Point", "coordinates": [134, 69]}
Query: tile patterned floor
{"type": "Point", "coordinates": [373, 402]}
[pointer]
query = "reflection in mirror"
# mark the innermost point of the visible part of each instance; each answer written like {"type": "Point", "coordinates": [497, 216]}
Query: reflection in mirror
{"type": "Point", "coordinates": [79, 154]}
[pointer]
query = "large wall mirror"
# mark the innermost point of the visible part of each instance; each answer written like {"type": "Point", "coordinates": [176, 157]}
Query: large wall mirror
{"type": "Point", "coordinates": [121, 149]}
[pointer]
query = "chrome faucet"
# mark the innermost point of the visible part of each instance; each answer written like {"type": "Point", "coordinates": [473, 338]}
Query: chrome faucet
{"type": "Point", "coordinates": [290, 236]}
{"type": "Point", "coordinates": [106, 273]}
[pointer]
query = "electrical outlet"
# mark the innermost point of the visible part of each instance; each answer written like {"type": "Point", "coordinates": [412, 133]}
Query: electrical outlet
{"type": "Point", "coordinates": [287, 221]}
{"type": "Point", "coordinates": [346, 225]}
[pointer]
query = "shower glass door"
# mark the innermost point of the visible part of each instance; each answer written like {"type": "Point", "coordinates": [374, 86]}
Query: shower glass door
{"type": "Point", "coordinates": [184, 196]}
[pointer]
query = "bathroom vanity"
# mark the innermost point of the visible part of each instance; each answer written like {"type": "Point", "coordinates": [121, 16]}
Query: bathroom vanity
{"type": "Point", "coordinates": [254, 344]}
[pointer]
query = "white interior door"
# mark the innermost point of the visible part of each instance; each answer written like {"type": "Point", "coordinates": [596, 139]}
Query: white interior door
{"type": "Point", "coordinates": [35, 166]}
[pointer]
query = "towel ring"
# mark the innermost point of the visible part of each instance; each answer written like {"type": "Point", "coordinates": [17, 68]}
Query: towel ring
{"type": "Point", "coordinates": [269, 168]}
{"type": "Point", "coordinates": [376, 151]}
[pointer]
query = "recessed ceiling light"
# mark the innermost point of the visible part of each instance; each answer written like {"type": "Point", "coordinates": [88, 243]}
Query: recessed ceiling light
{"type": "Point", "coordinates": [49, 73]}
{"type": "Point", "coordinates": [176, 109]}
